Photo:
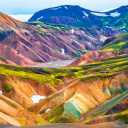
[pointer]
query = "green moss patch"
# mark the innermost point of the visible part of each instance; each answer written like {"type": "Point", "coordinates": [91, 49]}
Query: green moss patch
{"type": "Point", "coordinates": [7, 87]}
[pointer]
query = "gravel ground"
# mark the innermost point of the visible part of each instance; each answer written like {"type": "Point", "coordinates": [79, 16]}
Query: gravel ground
{"type": "Point", "coordinates": [55, 64]}
{"type": "Point", "coordinates": [116, 124]}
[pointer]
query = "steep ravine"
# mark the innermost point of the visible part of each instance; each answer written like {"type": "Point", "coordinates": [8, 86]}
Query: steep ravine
{"type": "Point", "coordinates": [80, 97]}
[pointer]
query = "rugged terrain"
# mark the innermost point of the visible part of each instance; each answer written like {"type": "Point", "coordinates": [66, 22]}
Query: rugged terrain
{"type": "Point", "coordinates": [25, 44]}
{"type": "Point", "coordinates": [77, 16]}
{"type": "Point", "coordinates": [113, 46]}
{"type": "Point", "coordinates": [85, 93]}
{"type": "Point", "coordinates": [90, 92]}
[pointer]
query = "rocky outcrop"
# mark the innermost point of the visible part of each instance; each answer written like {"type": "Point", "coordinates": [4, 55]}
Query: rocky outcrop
{"type": "Point", "coordinates": [79, 97]}
{"type": "Point", "coordinates": [22, 90]}
{"type": "Point", "coordinates": [8, 110]}
{"type": "Point", "coordinates": [8, 119]}
{"type": "Point", "coordinates": [91, 57]}
{"type": "Point", "coordinates": [12, 113]}
{"type": "Point", "coordinates": [29, 45]}
{"type": "Point", "coordinates": [123, 116]}
{"type": "Point", "coordinates": [15, 97]}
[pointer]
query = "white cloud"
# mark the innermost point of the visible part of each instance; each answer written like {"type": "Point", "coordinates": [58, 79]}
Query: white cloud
{"type": "Point", "coordinates": [22, 17]}
{"type": "Point", "coordinates": [12, 7]}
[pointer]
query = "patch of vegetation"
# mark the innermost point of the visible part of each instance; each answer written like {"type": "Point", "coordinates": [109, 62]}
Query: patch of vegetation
{"type": "Point", "coordinates": [120, 43]}
{"type": "Point", "coordinates": [52, 27]}
{"type": "Point", "coordinates": [7, 87]}
{"type": "Point", "coordinates": [3, 59]}
{"type": "Point", "coordinates": [103, 108]}
{"type": "Point", "coordinates": [40, 61]}
{"type": "Point", "coordinates": [123, 117]}
{"type": "Point", "coordinates": [40, 31]}
{"type": "Point", "coordinates": [57, 115]}
{"type": "Point", "coordinates": [83, 51]}
{"type": "Point", "coordinates": [75, 55]}
{"type": "Point", "coordinates": [88, 72]}
{"type": "Point", "coordinates": [26, 27]}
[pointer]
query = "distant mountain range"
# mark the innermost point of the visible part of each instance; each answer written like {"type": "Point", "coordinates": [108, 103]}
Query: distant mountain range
{"type": "Point", "coordinates": [25, 44]}
{"type": "Point", "coordinates": [117, 45]}
{"type": "Point", "coordinates": [92, 92]}
{"type": "Point", "coordinates": [57, 37]}
{"type": "Point", "coordinates": [80, 17]}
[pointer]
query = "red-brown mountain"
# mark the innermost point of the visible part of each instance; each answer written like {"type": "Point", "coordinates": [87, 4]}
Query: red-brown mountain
{"type": "Point", "coordinates": [25, 44]}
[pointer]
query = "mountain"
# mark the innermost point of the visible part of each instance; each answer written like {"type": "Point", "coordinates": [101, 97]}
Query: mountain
{"type": "Point", "coordinates": [113, 46]}
{"type": "Point", "coordinates": [80, 17]}
{"type": "Point", "coordinates": [35, 96]}
{"type": "Point", "coordinates": [98, 87]}
{"type": "Point", "coordinates": [37, 42]}
{"type": "Point", "coordinates": [92, 93]}
{"type": "Point", "coordinates": [69, 15]}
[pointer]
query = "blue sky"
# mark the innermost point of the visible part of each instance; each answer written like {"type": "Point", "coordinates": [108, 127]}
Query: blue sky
{"type": "Point", "coordinates": [28, 7]}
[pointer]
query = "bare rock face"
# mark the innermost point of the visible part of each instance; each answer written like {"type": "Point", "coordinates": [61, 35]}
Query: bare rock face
{"type": "Point", "coordinates": [8, 110]}
{"type": "Point", "coordinates": [8, 119]}
{"type": "Point", "coordinates": [92, 56]}
{"type": "Point", "coordinates": [16, 96]}
{"type": "Point", "coordinates": [21, 90]}
{"type": "Point", "coordinates": [13, 113]}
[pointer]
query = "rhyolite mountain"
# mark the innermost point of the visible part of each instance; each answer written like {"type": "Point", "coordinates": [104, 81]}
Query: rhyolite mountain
{"type": "Point", "coordinates": [36, 42]}
{"type": "Point", "coordinates": [113, 46]}
{"type": "Point", "coordinates": [87, 94]}
{"type": "Point", "coordinates": [31, 43]}
{"type": "Point", "coordinates": [80, 17]}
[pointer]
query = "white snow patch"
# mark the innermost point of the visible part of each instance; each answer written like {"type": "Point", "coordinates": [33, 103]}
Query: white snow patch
{"type": "Point", "coordinates": [37, 98]}
{"type": "Point", "coordinates": [71, 40]}
{"type": "Point", "coordinates": [72, 30]}
{"type": "Point", "coordinates": [82, 45]}
{"type": "Point", "coordinates": [40, 18]}
{"type": "Point", "coordinates": [66, 7]}
{"type": "Point", "coordinates": [63, 51]}
{"type": "Point", "coordinates": [1, 92]}
{"type": "Point", "coordinates": [99, 14]}
{"type": "Point", "coordinates": [109, 27]}
{"type": "Point", "coordinates": [38, 26]}
{"type": "Point", "coordinates": [54, 8]}
{"type": "Point", "coordinates": [107, 10]}
{"type": "Point", "coordinates": [115, 14]}
{"type": "Point", "coordinates": [47, 110]}
{"type": "Point", "coordinates": [83, 32]}
{"type": "Point", "coordinates": [85, 13]}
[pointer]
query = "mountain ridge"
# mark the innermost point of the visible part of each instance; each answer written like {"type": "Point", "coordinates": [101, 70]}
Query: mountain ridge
{"type": "Point", "coordinates": [75, 15]}
{"type": "Point", "coordinates": [36, 42]}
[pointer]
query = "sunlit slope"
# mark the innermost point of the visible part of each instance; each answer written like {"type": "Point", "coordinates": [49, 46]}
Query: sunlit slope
{"type": "Point", "coordinates": [100, 81]}
{"type": "Point", "coordinates": [118, 44]}
{"type": "Point", "coordinates": [88, 86]}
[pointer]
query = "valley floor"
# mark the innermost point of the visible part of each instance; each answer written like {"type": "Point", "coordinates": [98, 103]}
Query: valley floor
{"type": "Point", "coordinates": [55, 64]}
{"type": "Point", "coordinates": [116, 124]}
